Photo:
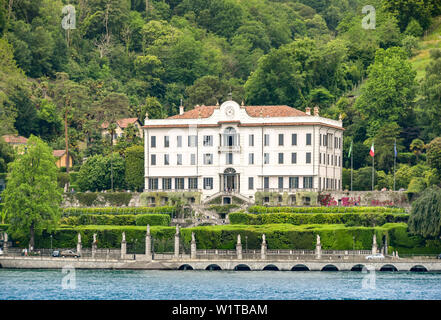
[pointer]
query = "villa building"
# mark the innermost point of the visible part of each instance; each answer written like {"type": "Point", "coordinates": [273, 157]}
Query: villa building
{"type": "Point", "coordinates": [121, 126]}
{"type": "Point", "coordinates": [254, 153]}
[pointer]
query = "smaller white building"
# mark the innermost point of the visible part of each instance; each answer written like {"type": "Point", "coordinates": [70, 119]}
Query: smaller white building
{"type": "Point", "coordinates": [244, 151]}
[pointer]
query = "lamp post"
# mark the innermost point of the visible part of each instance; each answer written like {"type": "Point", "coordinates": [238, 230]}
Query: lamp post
{"type": "Point", "coordinates": [51, 242]}
{"type": "Point", "coordinates": [246, 244]}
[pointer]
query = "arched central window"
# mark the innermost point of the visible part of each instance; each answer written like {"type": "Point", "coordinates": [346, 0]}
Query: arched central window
{"type": "Point", "coordinates": [230, 137]}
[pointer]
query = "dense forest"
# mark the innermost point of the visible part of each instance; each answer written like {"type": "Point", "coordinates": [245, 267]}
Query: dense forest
{"type": "Point", "coordinates": [126, 58]}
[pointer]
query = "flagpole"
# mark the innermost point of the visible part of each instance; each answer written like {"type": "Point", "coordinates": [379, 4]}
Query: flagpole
{"type": "Point", "coordinates": [352, 168]}
{"type": "Point", "coordinates": [373, 168]}
{"type": "Point", "coordinates": [395, 159]}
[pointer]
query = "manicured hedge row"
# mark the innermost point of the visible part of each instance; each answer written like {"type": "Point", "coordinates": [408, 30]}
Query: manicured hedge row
{"type": "Point", "coordinates": [262, 209]}
{"type": "Point", "coordinates": [118, 219]}
{"type": "Point", "coordinates": [278, 236]}
{"type": "Point", "coordinates": [349, 219]}
{"type": "Point", "coordinates": [118, 210]}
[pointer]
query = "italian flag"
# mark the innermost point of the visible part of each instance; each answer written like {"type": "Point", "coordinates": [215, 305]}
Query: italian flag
{"type": "Point", "coordinates": [372, 152]}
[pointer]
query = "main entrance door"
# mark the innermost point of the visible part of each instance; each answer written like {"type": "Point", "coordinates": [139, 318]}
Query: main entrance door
{"type": "Point", "coordinates": [230, 180]}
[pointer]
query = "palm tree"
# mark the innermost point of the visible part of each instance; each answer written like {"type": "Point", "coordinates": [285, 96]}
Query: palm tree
{"type": "Point", "coordinates": [417, 146]}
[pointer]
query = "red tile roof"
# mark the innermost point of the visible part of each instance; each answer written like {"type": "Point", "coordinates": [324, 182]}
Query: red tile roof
{"type": "Point", "coordinates": [252, 111]}
{"type": "Point", "coordinates": [13, 139]}
{"type": "Point", "coordinates": [122, 123]}
{"type": "Point", "coordinates": [58, 153]}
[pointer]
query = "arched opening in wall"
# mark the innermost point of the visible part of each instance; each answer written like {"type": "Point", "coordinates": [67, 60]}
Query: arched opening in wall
{"type": "Point", "coordinates": [185, 267]}
{"type": "Point", "coordinates": [242, 267]}
{"type": "Point", "coordinates": [389, 268]}
{"type": "Point", "coordinates": [1, 266]}
{"type": "Point", "coordinates": [329, 267]}
{"type": "Point", "coordinates": [300, 267]}
{"type": "Point", "coordinates": [418, 268]}
{"type": "Point", "coordinates": [306, 201]}
{"type": "Point", "coordinates": [358, 267]}
{"type": "Point", "coordinates": [292, 200]}
{"type": "Point", "coordinates": [213, 267]}
{"type": "Point", "coordinates": [270, 267]}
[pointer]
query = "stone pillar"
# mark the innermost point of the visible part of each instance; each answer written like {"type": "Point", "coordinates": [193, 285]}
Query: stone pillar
{"type": "Point", "coordinates": [79, 246]}
{"type": "Point", "coordinates": [263, 248]}
{"type": "Point", "coordinates": [374, 244]}
{"type": "Point", "coordinates": [193, 246]}
{"type": "Point", "coordinates": [177, 242]}
{"type": "Point", "coordinates": [5, 243]}
{"type": "Point", "coordinates": [318, 248]}
{"type": "Point", "coordinates": [123, 246]}
{"type": "Point", "coordinates": [385, 247]}
{"type": "Point", "coordinates": [239, 248]}
{"type": "Point", "coordinates": [148, 244]}
{"type": "Point", "coordinates": [94, 245]}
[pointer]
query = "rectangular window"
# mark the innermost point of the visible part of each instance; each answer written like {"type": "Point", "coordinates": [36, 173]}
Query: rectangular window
{"type": "Point", "coordinates": [179, 159]}
{"type": "Point", "coordinates": [208, 158]}
{"type": "Point", "coordinates": [229, 159]}
{"type": "Point", "coordinates": [193, 159]}
{"type": "Point", "coordinates": [327, 160]}
{"type": "Point", "coordinates": [208, 141]}
{"type": "Point", "coordinates": [153, 184]}
{"type": "Point", "coordinates": [281, 136]}
{"type": "Point", "coordinates": [320, 139]}
{"type": "Point", "coordinates": [208, 183]}
{"type": "Point", "coordinates": [251, 158]}
{"type": "Point", "coordinates": [266, 158]}
{"type": "Point", "coordinates": [307, 182]}
{"type": "Point", "coordinates": [266, 139]}
{"type": "Point", "coordinates": [294, 157]}
{"type": "Point", "coordinates": [166, 183]}
{"type": "Point", "coordinates": [166, 141]}
{"type": "Point", "coordinates": [153, 159]}
{"type": "Point", "coordinates": [280, 182]}
{"type": "Point", "coordinates": [266, 182]}
{"type": "Point", "coordinates": [193, 183]}
{"type": "Point", "coordinates": [294, 139]}
{"type": "Point", "coordinates": [308, 139]}
{"type": "Point", "coordinates": [308, 157]}
{"type": "Point", "coordinates": [179, 141]}
{"type": "Point", "coordinates": [293, 182]}
{"type": "Point", "coordinates": [280, 158]}
{"type": "Point", "coordinates": [166, 160]}
{"type": "Point", "coordinates": [179, 183]}
{"type": "Point", "coordinates": [153, 141]}
{"type": "Point", "coordinates": [250, 183]}
{"type": "Point", "coordinates": [192, 141]}
{"type": "Point", "coordinates": [251, 140]}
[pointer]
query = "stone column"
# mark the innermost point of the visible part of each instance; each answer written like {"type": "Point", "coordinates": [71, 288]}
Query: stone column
{"type": "Point", "coordinates": [123, 246]}
{"type": "Point", "coordinates": [5, 243]}
{"type": "Point", "coordinates": [79, 246]}
{"type": "Point", "coordinates": [239, 248]}
{"type": "Point", "coordinates": [263, 248]}
{"type": "Point", "coordinates": [177, 242]}
{"type": "Point", "coordinates": [94, 245]}
{"type": "Point", "coordinates": [385, 247]}
{"type": "Point", "coordinates": [193, 246]}
{"type": "Point", "coordinates": [318, 248]}
{"type": "Point", "coordinates": [374, 244]}
{"type": "Point", "coordinates": [148, 244]}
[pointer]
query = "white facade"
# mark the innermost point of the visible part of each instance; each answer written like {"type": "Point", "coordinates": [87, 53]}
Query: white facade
{"type": "Point", "coordinates": [238, 153]}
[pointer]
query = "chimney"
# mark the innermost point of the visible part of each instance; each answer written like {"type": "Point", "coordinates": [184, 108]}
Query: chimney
{"type": "Point", "coordinates": [316, 111]}
{"type": "Point", "coordinates": [308, 111]}
{"type": "Point", "coordinates": [181, 109]}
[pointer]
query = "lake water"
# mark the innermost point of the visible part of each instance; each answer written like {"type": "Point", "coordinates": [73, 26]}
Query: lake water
{"type": "Point", "coordinates": [226, 285]}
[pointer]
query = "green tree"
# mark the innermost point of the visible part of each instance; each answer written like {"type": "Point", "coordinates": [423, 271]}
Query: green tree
{"type": "Point", "coordinates": [6, 155]}
{"type": "Point", "coordinates": [387, 135]}
{"type": "Point", "coordinates": [434, 154]}
{"type": "Point", "coordinates": [32, 196]}
{"type": "Point", "coordinates": [388, 94]}
{"type": "Point", "coordinates": [417, 146]}
{"type": "Point", "coordinates": [425, 216]}
{"type": "Point", "coordinates": [135, 168]}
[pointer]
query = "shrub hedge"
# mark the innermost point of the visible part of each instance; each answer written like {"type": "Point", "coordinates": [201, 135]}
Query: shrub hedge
{"type": "Point", "coordinates": [279, 236]}
{"type": "Point", "coordinates": [118, 210]}
{"type": "Point", "coordinates": [118, 219]}
{"type": "Point", "coordinates": [349, 219]}
{"type": "Point", "coordinates": [263, 209]}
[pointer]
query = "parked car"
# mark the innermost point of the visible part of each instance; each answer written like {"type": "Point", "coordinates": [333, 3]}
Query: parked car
{"type": "Point", "coordinates": [55, 253]}
{"type": "Point", "coordinates": [1, 251]}
{"type": "Point", "coordinates": [375, 256]}
{"type": "Point", "coordinates": [69, 253]}
{"type": "Point", "coordinates": [439, 256]}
